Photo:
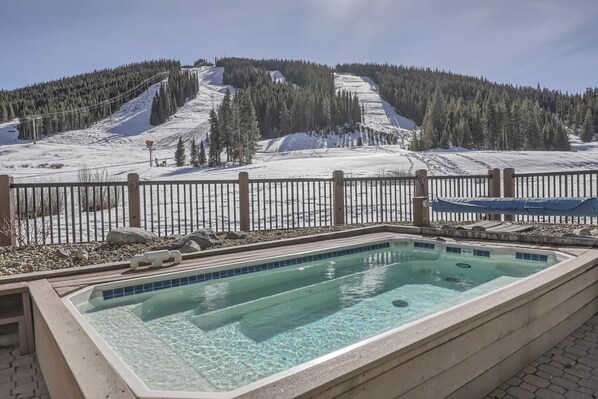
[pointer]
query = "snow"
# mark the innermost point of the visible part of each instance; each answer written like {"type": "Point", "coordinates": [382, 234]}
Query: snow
{"type": "Point", "coordinates": [278, 77]}
{"type": "Point", "coordinates": [118, 145]}
{"type": "Point", "coordinates": [379, 114]}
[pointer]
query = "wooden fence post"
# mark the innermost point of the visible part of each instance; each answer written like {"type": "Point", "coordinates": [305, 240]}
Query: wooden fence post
{"type": "Point", "coordinates": [339, 196]}
{"type": "Point", "coordinates": [7, 213]}
{"type": "Point", "coordinates": [244, 200]}
{"type": "Point", "coordinates": [494, 189]}
{"type": "Point", "coordinates": [509, 187]}
{"type": "Point", "coordinates": [421, 183]}
{"type": "Point", "coordinates": [134, 201]}
{"type": "Point", "coordinates": [421, 212]}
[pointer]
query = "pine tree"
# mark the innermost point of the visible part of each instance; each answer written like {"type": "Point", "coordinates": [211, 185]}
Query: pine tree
{"type": "Point", "coordinates": [215, 148]}
{"type": "Point", "coordinates": [225, 122]}
{"type": "Point", "coordinates": [193, 154]}
{"type": "Point", "coordinates": [179, 154]}
{"type": "Point", "coordinates": [202, 154]}
{"type": "Point", "coordinates": [587, 129]}
{"type": "Point", "coordinates": [249, 129]}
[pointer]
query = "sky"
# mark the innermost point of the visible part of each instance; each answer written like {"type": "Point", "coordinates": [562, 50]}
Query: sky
{"type": "Point", "coordinates": [553, 43]}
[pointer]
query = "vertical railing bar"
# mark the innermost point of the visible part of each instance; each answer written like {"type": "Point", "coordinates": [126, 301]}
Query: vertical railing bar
{"type": "Point", "coordinates": [43, 208]}
{"type": "Point", "coordinates": [35, 238]}
{"type": "Point", "coordinates": [196, 204]}
{"type": "Point", "coordinates": [51, 213]}
{"type": "Point", "coordinates": [80, 214]}
{"type": "Point", "coordinates": [109, 209]}
{"type": "Point", "coordinates": [73, 223]}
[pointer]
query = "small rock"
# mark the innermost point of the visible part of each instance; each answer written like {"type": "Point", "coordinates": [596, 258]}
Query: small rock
{"type": "Point", "coordinates": [204, 237]}
{"type": "Point", "coordinates": [478, 228]}
{"type": "Point", "coordinates": [129, 235]}
{"type": "Point", "coordinates": [446, 227]}
{"type": "Point", "coordinates": [583, 232]}
{"type": "Point", "coordinates": [190, 247]}
{"type": "Point", "coordinates": [62, 253]}
{"type": "Point", "coordinates": [595, 232]}
{"type": "Point", "coordinates": [82, 255]}
{"type": "Point", "coordinates": [236, 235]}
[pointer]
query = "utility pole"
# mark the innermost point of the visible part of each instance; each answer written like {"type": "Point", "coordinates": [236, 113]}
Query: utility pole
{"type": "Point", "coordinates": [34, 132]}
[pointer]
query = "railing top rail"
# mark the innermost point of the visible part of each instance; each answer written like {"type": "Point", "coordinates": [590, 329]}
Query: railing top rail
{"type": "Point", "coordinates": [484, 176]}
{"type": "Point", "coordinates": [398, 178]}
{"type": "Point", "coordinates": [297, 180]}
{"type": "Point", "coordinates": [179, 182]}
{"type": "Point", "coordinates": [69, 184]}
{"type": "Point", "coordinates": [562, 173]}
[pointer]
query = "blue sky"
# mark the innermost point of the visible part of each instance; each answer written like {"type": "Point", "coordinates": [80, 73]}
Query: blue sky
{"type": "Point", "coordinates": [525, 42]}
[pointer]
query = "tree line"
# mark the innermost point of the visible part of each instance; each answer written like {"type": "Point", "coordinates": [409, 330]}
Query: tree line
{"type": "Point", "coordinates": [234, 130]}
{"type": "Point", "coordinates": [181, 87]}
{"type": "Point", "coordinates": [487, 111]}
{"type": "Point", "coordinates": [288, 108]}
{"type": "Point", "coordinates": [78, 101]}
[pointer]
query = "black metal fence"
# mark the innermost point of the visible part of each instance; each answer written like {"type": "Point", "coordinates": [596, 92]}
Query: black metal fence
{"type": "Point", "coordinates": [83, 212]}
{"type": "Point", "coordinates": [68, 212]}
{"type": "Point", "coordinates": [583, 183]}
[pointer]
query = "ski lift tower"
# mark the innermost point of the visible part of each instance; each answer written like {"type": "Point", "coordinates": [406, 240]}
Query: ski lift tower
{"type": "Point", "coordinates": [33, 119]}
{"type": "Point", "coordinates": [151, 147]}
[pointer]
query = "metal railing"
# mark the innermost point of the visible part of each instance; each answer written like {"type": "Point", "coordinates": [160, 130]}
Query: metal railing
{"type": "Point", "coordinates": [36, 213]}
{"type": "Point", "coordinates": [458, 187]}
{"type": "Point", "coordinates": [290, 203]}
{"type": "Point", "coordinates": [180, 207]}
{"type": "Point", "coordinates": [68, 212]}
{"type": "Point", "coordinates": [583, 183]}
{"type": "Point", "coordinates": [378, 199]}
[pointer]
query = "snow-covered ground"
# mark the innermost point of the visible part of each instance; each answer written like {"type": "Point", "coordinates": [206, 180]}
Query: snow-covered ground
{"type": "Point", "coordinates": [118, 145]}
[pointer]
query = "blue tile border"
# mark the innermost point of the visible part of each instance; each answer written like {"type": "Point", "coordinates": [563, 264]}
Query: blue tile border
{"type": "Point", "coordinates": [453, 250]}
{"type": "Point", "coordinates": [176, 282]}
{"type": "Point", "coordinates": [425, 245]}
{"type": "Point", "coordinates": [481, 252]}
{"type": "Point", "coordinates": [530, 256]}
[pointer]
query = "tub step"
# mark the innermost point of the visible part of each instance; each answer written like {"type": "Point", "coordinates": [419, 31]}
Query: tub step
{"type": "Point", "coordinates": [145, 353]}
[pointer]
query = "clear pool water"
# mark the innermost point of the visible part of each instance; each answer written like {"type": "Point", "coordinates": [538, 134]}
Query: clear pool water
{"type": "Point", "coordinates": [222, 334]}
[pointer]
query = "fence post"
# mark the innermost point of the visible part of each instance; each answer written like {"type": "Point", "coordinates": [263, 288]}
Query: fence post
{"type": "Point", "coordinates": [421, 183]}
{"type": "Point", "coordinates": [244, 200]}
{"type": "Point", "coordinates": [494, 189]}
{"type": "Point", "coordinates": [421, 212]}
{"type": "Point", "coordinates": [509, 187]}
{"type": "Point", "coordinates": [339, 196]}
{"type": "Point", "coordinates": [134, 201]}
{"type": "Point", "coordinates": [8, 235]}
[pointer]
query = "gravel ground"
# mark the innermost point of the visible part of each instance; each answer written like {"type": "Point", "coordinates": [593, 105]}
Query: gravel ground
{"type": "Point", "coordinates": [47, 257]}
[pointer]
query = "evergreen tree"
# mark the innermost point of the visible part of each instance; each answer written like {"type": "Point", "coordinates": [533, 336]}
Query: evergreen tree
{"type": "Point", "coordinates": [587, 129]}
{"type": "Point", "coordinates": [193, 153]}
{"type": "Point", "coordinates": [202, 154]}
{"type": "Point", "coordinates": [215, 148]}
{"type": "Point", "coordinates": [249, 130]}
{"type": "Point", "coordinates": [225, 125]}
{"type": "Point", "coordinates": [3, 112]}
{"type": "Point", "coordinates": [179, 155]}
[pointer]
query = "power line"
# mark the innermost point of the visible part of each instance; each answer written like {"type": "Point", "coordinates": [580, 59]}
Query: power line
{"type": "Point", "coordinates": [99, 104]}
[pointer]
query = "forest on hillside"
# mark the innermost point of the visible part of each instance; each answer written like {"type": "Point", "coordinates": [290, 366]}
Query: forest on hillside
{"type": "Point", "coordinates": [78, 101]}
{"type": "Point", "coordinates": [308, 102]}
{"type": "Point", "coordinates": [458, 110]}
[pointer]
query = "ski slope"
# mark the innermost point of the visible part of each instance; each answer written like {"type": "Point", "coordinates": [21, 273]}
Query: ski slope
{"type": "Point", "coordinates": [117, 144]}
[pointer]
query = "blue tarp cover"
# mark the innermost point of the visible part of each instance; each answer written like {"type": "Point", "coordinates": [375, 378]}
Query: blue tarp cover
{"type": "Point", "coordinates": [569, 206]}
